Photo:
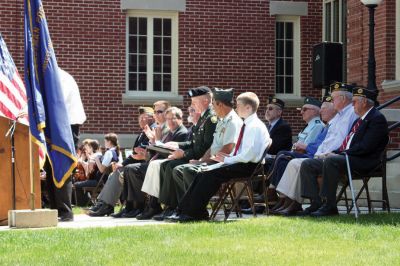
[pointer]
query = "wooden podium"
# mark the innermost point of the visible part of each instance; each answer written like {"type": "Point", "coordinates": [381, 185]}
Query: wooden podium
{"type": "Point", "coordinates": [22, 169]}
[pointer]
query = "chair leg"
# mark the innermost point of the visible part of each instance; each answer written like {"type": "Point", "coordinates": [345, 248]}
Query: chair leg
{"type": "Point", "coordinates": [365, 181]}
{"type": "Point", "coordinates": [385, 196]}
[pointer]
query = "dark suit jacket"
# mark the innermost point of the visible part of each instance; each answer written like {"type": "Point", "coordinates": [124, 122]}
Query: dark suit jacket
{"type": "Point", "coordinates": [368, 143]}
{"type": "Point", "coordinates": [180, 134]}
{"type": "Point", "coordinates": [281, 135]}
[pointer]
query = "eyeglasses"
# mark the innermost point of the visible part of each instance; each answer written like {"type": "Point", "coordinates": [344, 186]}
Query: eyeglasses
{"type": "Point", "coordinates": [191, 110]}
{"type": "Point", "coordinates": [305, 109]}
{"type": "Point", "coordinates": [270, 108]}
{"type": "Point", "coordinates": [159, 111]}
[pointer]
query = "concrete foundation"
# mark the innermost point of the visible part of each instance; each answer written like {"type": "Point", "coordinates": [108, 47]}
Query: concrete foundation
{"type": "Point", "coordinates": [32, 218]}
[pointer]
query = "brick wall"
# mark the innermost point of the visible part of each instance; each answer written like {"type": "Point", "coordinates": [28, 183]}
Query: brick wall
{"type": "Point", "coordinates": [224, 44]}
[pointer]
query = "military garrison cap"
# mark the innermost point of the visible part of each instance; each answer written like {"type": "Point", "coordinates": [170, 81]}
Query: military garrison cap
{"type": "Point", "coordinates": [312, 101]}
{"type": "Point", "coordinates": [147, 110]}
{"type": "Point", "coordinates": [225, 96]}
{"type": "Point", "coordinates": [362, 92]}
{"type": "Point", "coordinates": [277, 102]}
{"type": "Point", "coordinates": [340, 86]}
{"type": "Point", "coordinates": [198, 91]}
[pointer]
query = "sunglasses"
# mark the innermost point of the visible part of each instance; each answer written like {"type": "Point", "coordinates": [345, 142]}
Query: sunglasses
{"type": "Point", "coordinates": [191, 110]}
{"type": "Point", "coordinates": [159, 111]}
{"type": "Point", "coordinates": [305, 109]}
{"type": "Point", "coordinates": [270, 108]}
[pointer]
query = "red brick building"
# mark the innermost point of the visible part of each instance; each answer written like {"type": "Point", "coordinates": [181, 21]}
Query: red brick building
{"type": "Point", "coordinates": [125, 53]}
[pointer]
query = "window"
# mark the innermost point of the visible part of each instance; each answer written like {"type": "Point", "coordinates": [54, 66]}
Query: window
{"type": "Point", "coordinates": [152, 56]}
{"type": "Point", "coordinates": [287, 57]}
{"type": "Point", "coordinates": [398, 39]}
{"type": "Point", "coordinates": [333, 21]}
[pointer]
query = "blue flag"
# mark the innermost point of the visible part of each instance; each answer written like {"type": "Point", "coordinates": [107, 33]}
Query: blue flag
{"type": "Point", "coordinates": [48, 118]}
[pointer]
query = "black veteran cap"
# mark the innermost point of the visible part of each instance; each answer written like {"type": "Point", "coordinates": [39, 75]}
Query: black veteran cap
{"type": "Point", "coordinates": [198, 91]}
{"type": "Point", "coordinates": [225, 96]}
{"type": "Point", "coordinates": [362, 92]}
{"type": "Point", "coordinates": [340, 86]}
{"type": "Point", "coordinates": [327, 99]}
{"type": "Point", "coordinates": [277, 102]}
{"type": "Point", "coordinates": [145, 109]}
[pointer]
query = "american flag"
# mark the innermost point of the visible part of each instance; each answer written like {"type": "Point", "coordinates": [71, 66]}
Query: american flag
{"type": "Point", "coordinates": [12, 89]}
{"type": "Point", "coordinates": [13, 101]}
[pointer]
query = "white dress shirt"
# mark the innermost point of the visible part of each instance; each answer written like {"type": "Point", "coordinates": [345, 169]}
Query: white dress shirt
{"type": "Point", "coordinates": [254, 142]}
{"type": "Point", "coordinates": [339, 127]}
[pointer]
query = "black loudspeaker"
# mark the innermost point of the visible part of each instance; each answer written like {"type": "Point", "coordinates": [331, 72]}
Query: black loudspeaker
{"type": "Point", "coordinates": [327, 64]}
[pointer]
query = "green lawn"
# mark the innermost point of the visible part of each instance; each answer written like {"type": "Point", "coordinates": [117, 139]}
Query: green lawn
{"type": "Point", "coordinates": [373, 240]}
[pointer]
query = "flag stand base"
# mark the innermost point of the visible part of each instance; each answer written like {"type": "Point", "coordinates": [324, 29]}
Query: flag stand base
{"type": "Point", "coordinates": [32, 218]}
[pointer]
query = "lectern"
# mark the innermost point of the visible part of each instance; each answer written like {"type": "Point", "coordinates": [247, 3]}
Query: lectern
{"type": "Point", "coordinates": [22, 169]}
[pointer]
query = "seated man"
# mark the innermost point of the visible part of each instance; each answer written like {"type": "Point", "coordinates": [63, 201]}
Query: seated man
{"type": "Point", "coordinates": [289, 186]}
{"type": "Point", "coordinates": [226, 133]}
{"type": "Point", "coordinates": [134, 173]}
{"type": "Point", "coordinates": [310, 112]}
{"type": "Point", "coordinates": [364, 145]}
{"type": "Point", "coordinates": [250, 146]}
{"type": "Point", "coordinates": [112, 189]}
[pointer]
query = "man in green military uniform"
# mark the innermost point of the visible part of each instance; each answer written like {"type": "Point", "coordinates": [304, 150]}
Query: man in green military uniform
{"type": "Point", "coordinates": [194, 149]}
{"type": "Point", "coordinates": [226, 133]}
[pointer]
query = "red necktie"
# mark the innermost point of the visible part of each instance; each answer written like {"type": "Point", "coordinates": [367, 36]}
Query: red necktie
{"type": "Point", "coordinates": [353, 130]}
{"type": "Point", "coordinates": [239, 141]}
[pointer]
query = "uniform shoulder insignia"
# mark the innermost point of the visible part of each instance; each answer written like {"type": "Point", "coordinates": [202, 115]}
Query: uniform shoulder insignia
{"type": "Point", "coordinates": [214, 119]}
{"type": "Point", "coordinates": [317, 121]}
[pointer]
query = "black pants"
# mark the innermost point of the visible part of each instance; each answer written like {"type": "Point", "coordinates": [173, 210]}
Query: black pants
{"type": "Point", "coordinates": [206, 185]}
{"type": "Point", "coordinates": [60, 198]}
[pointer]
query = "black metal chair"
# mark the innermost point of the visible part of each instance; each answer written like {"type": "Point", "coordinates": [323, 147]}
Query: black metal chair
{"type": "Point", "coordinates": [228, 198]}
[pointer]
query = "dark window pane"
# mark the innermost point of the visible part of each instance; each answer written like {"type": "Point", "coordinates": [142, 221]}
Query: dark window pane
{"type": "Point", "coordinates": [157, 63]}
{"type": "Point", "coordinates": [157, 45]}
{"type": "Point", "coordinates": [143, 26]}
{"type": "Point", "coordinates": [158, 26]}
{"type": "Point", "coordinates": [289, 49]}
{"type": "Point", "coordinates": [142, 82]}
{"type": "Point", "coordinates": [279, 30]}
{"type": "Point", "coordinates": [133, 63]}
{"type": "Point", "coordinates": [133, 82]}
{"type": "Point", "coordinates": [328, 22]}
{"type": "Point", "coordinates": [142, 44]}
{"type": "Point", "coordinates": [132, 25]}
{"type": "Point", "coordinates": [167, 83]}
{"type": "Point", "coordinates": [280, 66]}
{"type": "Point", "coordinates": [132, 44]}
{"type": "Point", "coordinates": [142, 63]}
{"type": "Point", "coordinates": [167, 64]}
{"type": "Point", "coordinates": [289, 30]}
{"type": "Point", "coordinates": [279, 48]}
{"type": "Point", "coordinates": [167, 45]}
{"type": "Point", "coordinates": [289, 66]}
{"type": "Point", "coordinates": [289, 85]}
{"type": "Point", "coordinates": [157, 82]}
{"type": "Point", "coordinates": [279, 84]}
{"type": "Point", "coordinates": [167, 27]}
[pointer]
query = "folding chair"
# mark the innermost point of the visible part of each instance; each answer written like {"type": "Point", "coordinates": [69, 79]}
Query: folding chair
{"type": "Point", "coordinates": [95, 191]}
{"type": "Point", "coordinates": [228, 198]}
{"type": "Point", "coordinates": [378, 172]}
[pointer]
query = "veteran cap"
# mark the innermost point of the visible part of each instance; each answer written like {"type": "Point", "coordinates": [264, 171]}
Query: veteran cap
{"type": "Point", "coordinates": [277, 102]}
{"type": "Point", "coordinates": [327, 99]}
{"type": "Point", "coordinates": [198, 91]}
{"type": "Point", "coordinates": [225, 96]}
{"type": "Point", "coordinates": [363, 92]}
{"type": "Point", "coordinates": [146, 110]}
{"type": "Point", "coordinates": [311, 101]}
{"type": "Point", "coordinates": [340, 86]}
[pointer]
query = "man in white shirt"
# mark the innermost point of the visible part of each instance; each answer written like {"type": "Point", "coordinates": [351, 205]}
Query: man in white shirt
{"type": "Point", "coordinates": [250, 146]}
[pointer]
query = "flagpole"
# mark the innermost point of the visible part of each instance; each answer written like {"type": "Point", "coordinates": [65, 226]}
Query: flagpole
{"type": "Point", "coordinates": [32, 199]}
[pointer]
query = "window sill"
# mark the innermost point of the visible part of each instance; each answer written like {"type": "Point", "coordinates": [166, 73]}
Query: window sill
{"type": "Point", "coordinates": [391, 85]}
{"type": "Point", "coordinates": [145, 97]}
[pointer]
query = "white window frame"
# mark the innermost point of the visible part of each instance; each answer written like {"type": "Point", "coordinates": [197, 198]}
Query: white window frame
{"type": "Point", "coordinates": [341, 33]}
{"type": "Point", "coordinates": [149, 96]}
{"type": "Point", "coordinates": [296, 58]}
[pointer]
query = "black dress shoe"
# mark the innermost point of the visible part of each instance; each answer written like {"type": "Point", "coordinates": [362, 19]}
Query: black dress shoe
{"type": "Point", "coordinates": [66, 218]}
{"type": "Point", "coordinates": [259, 210]}
{"type": "Point", "coordinates": [132, 214]}
{"type": "Point", "coordinates": [307, 211]}
{"type": "Point", "coordinates": [96, 207]}
{"type": "Point", "coordinates": [149, 213]}
{"type": "Point", "coordinates": [105, 210]}
{"type": "Point", "coordinates": [292, 209]}
{"type": "Point", "coordinates": [120, 213]}
{"type": "Point", "coordinates": [184, 218]}
{"type": "Point", "coordinates": [325, 210]}
{"type": "Point", "coordinates": [166, 213]}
